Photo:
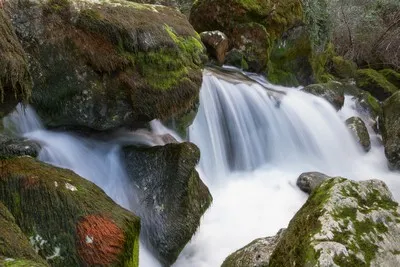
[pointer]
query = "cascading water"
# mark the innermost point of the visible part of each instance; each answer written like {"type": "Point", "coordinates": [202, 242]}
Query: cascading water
{"type": "Point", "coordinates": [254, 143]}
{"type": "Point", "coordinates": [269, 138]}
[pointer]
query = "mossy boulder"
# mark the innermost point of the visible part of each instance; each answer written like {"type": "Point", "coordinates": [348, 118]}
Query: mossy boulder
{"type": "Point", "coordinates": [392, 76]}
{"type": "Point", "coordinates": [333, 92]}
{"type": "Point", "coordinates": [183, 5]}
{"type": "Point", "coordinates": [309, 181]}
{"type": "Point", "coordinates": [290, 63]}
{"type": "Point", "coordinates": [236, 58]}
{"type": "Point", "coordinates": [170, 194]}
{"type": "Point", "coordinates": [255, 254]}
{"type": "Point", "coordinates": [391, 130]}
{"type": "Point", "coordinates": [251, 26]}
{"type": "Point", "coordinates": [343, 223]}
{"type": "Point", "coordinates": [342, 68]}
{"type": "Point", "coordinates": [15, 79]}
{"type": "Point", "coordinates": [68, 220]}
{"type": "Point", "coordinates": [14, 245]}
{"type": "Point", "coordinates": [372, 81]}
{"type": "Point", "coordinates": [360, 132]}
{"type": "Point", "coordinates": [107, 64]}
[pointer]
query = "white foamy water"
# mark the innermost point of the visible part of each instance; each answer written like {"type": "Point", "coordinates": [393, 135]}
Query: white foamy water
{"type": "Point", "coordinates": [270, 143]}
{"type": "Point", "coordinates": [254, 144]}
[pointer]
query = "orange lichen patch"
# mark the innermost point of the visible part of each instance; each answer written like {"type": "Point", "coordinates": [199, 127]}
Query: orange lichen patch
{"type": "Point", "coordinates": [29, 181]}
{"type": "Point", "coordinates": [99, 240]}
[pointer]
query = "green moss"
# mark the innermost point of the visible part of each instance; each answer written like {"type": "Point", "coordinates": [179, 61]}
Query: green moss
{"type": "Point", "coordinates": [342, 68]}
{"type": "Point", "coordinates": [295, 245]}
{"type": "Point", "coordinates": [50, 211]}
{"type": "Point", "coordinates": [15, 79]}
{"type": "Point", "coordinates": [21, 263]}
{"type": "Point", "coordinates": [372, 81]}
{"type": "Point", "coordinates": [130, 257]}
{"type": "Point", "coordinates": [392, 76]}
{"type": "Point", "coordinates": [165, 68]}
{"type": "Point", "coordinates": [319, 61]}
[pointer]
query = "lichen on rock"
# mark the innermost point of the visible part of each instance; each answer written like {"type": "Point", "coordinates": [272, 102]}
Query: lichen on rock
{"type": "Point", "coordinates": [360, 132]}
{"type": "Point", "coordinates": [343, 223]}
{"type": "Point", "coordinates": [333, 92]}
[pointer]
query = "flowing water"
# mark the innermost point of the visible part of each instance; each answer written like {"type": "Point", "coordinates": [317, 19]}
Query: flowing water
{"type": "Point", "coordinates": [254, 144]}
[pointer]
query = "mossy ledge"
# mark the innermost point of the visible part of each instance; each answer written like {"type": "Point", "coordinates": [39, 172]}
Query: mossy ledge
{"type": "Point", "coordinates": [67, 218]}
{"type": "Point", "coordinates": [114, 63]}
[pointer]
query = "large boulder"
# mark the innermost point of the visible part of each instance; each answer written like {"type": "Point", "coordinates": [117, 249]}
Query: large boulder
{"type": "Point", "coordinates": [15, 80]}
{"type": "Point", "coordinates": [391, 130]}
{"type": "Point", "coordinates": [333, 92]}
{"type": "Point", "coordinates": [68, 220]}
{"type": "Point", "coordinates": [251, 26]}
{"type": "Point", "coordinates": [309, 181]}
{"type": "Point", "coordinates": [170, 194]}
{"type": "Point", "coordinates": [106, 64]}
{"type": "Point", "coordinates": [14, 245]}
{"type": "Point", "coordinates": [360, 132]}
{"type": "Point", "coordinates": [372, 81]}
{"type": "Point", "coordinates": [255, 254]}
{"type": "Point", "coordinates": [343, 223]}
{"type": "Point", "coordinates": [342, 68]}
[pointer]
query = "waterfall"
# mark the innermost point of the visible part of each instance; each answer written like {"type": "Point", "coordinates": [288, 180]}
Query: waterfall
{"type": "Point", "coordinates": [255, 139]}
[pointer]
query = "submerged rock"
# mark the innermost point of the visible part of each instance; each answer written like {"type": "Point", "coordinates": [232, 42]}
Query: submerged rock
{"type": "Point", "coordinates": [216, 43]}
{"type": "Point", "coordinates": [170, 195]}
{"type": "Point", "coordinates": [360, 132]}
{"type": "Point", "coordinates": [333, 92]}
{"type": "Point", "coordinates": [391, 130]}
{"type": "Point", "coordinates": [372, 81]}
{"type": "Point", "coordinates": [343, 223]}
{"type": "Point", "coordinates": [255, 254]}
{"type": "Point", "coordinates": [15, 80]}
{"type": "Point", "coordinates": [15, 249]}
{"type": "Point", "coordinates": [309, 181]}
{"type": "Point", "coordinates": [107, 64]}
{"type": "Point", "coordinates": [69, 220]}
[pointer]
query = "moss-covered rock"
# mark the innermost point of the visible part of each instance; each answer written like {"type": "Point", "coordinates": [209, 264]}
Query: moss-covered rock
{"type": "Point", "coordinates": [372, 81]}
{"type": "Point", "coordinates": [251, 26]}
{"type": "Point", "coordinates": [69, 220]}
{"type": "Point", "coordinates": [290, 58]}
{"type": "Point", "coordinates": [343, 223]}
{"type": "Point", "coordinates": [360, 132]}
{"type": "Point", "coordinates": [14, 245]}
{"type": "Point", "coordinates": [15, 80]}
{"type": "Point", "coordinates": [10, 262]}
{"type": "Point", "coordinates": [171, 194]}
{"type": "Point", "coordinates": [106, 64]}
{"type": "Point", "coordinates": [309, 181]}
{"type": "Point", "coordinates": [236, 58]}
{"type": "Point", "coordinates": [255, 254]}
{"type": "Point", "coordinates": [391, 130]}
{"type": "Point", "coordinates": [333, 92]}
{"type": "Point", "coordinates": [343, 68]}
{"type": "Point", "coordinates": [392, 76]}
